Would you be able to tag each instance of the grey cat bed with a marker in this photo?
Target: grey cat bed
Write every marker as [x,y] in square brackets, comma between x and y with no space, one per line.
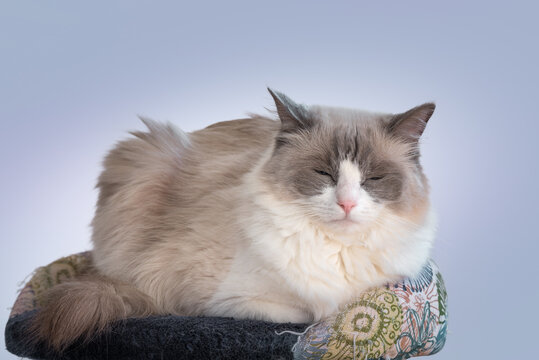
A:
[167,337]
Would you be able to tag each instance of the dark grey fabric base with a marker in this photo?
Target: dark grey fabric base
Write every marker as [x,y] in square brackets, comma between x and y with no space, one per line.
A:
[167,337]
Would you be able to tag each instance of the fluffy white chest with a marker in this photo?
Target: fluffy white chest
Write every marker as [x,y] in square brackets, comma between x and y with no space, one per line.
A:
[297,266]
[319,269]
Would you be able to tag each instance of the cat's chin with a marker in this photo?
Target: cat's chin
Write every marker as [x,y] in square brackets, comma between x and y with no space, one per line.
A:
[345,226]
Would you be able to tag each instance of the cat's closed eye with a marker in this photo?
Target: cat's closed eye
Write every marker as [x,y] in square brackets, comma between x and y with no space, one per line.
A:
[321,172]
[372,179]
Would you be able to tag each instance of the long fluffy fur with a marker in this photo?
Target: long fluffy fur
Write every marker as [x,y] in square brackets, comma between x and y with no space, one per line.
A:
[207,224]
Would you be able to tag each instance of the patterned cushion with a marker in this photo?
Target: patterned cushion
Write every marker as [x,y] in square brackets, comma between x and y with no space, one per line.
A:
[393,322]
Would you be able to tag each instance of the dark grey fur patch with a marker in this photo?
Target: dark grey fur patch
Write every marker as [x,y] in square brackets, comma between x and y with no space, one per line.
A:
[410,125]
[384,182]
[294,117]
[382,178]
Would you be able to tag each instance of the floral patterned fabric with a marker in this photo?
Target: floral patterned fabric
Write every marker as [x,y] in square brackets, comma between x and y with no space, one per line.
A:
[398,321]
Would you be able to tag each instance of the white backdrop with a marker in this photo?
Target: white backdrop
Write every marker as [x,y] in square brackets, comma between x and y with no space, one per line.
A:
[73,77]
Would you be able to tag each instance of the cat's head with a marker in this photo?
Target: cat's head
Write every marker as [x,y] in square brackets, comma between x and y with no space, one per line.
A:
[347,169]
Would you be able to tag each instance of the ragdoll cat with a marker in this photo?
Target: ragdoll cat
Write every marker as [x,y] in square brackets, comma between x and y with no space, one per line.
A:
[255,218]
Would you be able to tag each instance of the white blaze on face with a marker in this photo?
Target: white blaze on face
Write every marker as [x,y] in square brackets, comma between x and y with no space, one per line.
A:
[348,186]
[347,201]
[352,200]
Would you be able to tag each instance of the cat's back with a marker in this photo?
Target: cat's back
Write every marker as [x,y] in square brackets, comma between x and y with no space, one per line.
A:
[158,182]
[227,135]
[165,158]
[224,151]
[219,155]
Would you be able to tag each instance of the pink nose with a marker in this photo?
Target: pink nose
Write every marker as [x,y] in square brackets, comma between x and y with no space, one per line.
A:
[347,205]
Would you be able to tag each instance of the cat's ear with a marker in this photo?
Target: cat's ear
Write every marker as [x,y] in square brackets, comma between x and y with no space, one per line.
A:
[293,116]
[411,124]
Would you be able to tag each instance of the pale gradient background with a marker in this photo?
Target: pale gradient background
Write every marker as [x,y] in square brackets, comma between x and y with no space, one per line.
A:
[73,77]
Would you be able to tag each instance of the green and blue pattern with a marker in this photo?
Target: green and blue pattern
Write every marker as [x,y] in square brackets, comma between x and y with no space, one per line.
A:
[395,322]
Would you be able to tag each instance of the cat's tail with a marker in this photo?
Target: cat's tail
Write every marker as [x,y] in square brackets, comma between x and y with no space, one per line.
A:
[78,310]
